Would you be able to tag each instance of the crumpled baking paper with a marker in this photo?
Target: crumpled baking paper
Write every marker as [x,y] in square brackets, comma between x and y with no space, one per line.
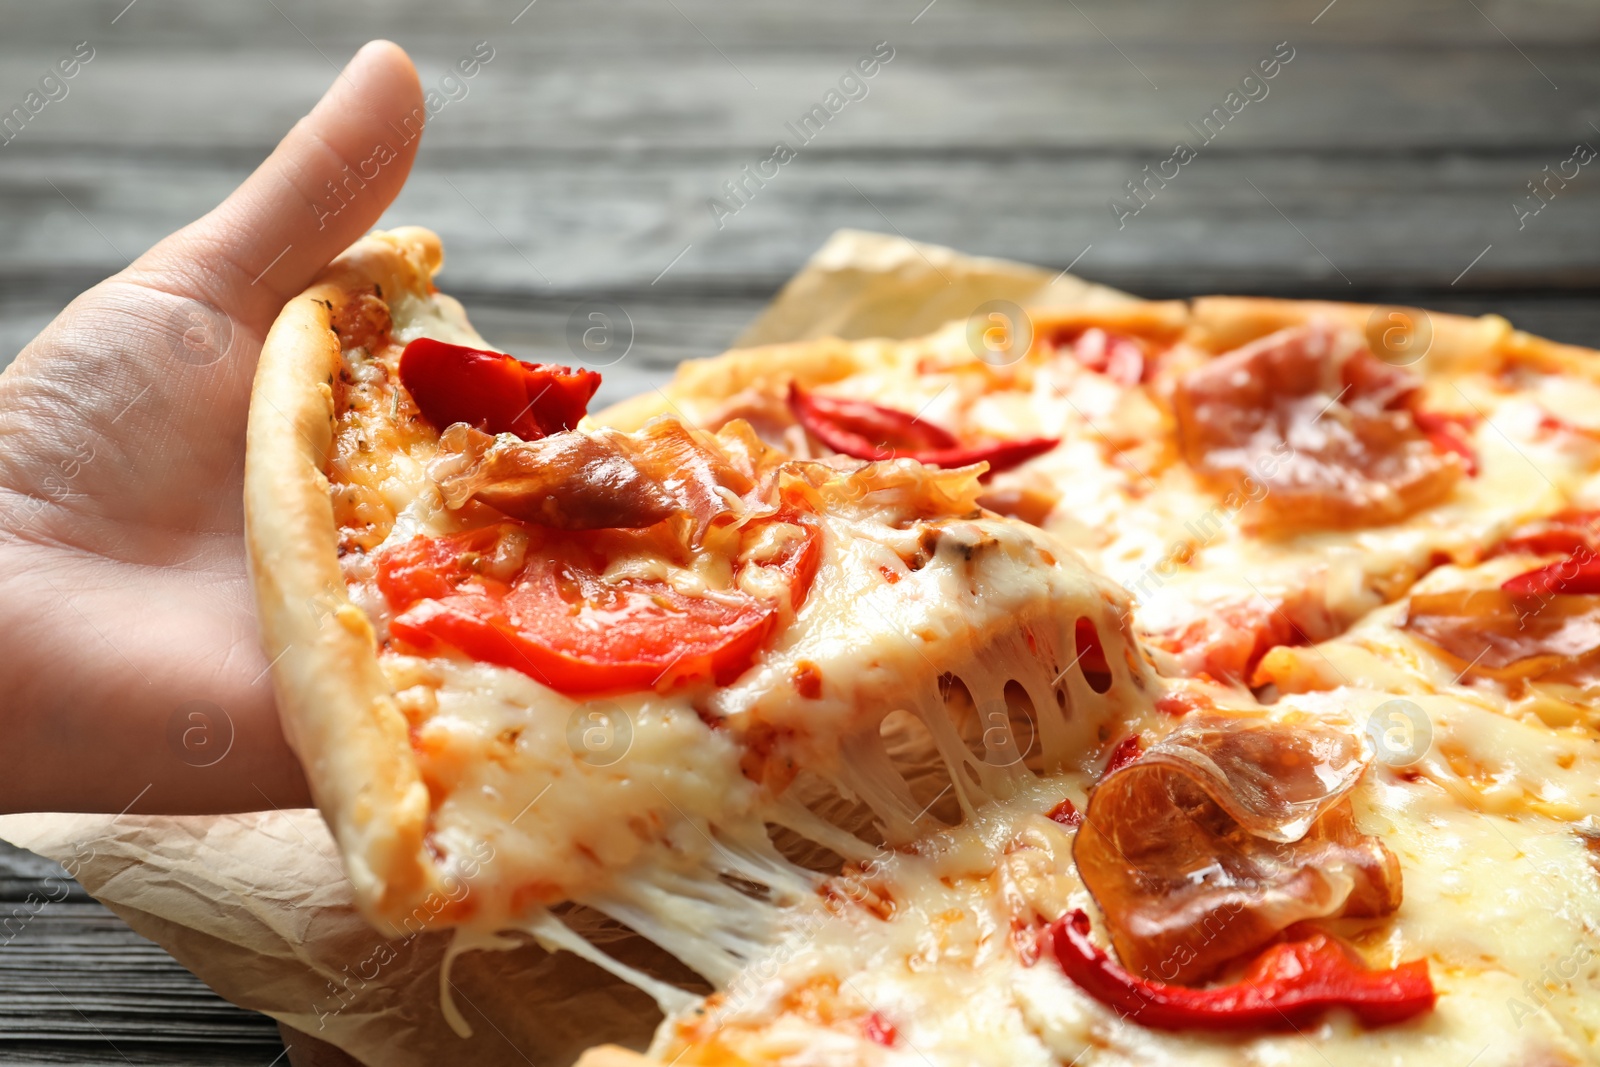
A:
[862,284]
[257,905]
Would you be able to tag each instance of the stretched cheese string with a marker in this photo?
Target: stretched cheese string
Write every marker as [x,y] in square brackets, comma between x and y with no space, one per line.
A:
[702,915]
[719,931]
[464,939]
[1064,711]
[986,624]
[553,934]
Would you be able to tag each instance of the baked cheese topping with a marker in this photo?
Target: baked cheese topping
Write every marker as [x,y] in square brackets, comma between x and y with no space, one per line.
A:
[925,944]
[653,807]
[948,676]
[1206,583]
[1382,652]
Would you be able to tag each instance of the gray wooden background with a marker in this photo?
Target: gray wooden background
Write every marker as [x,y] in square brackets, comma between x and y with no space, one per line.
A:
[1383,163]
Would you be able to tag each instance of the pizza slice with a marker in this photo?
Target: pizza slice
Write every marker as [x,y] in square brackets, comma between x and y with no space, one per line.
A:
[527,660]
[1517,630]
[1257,473]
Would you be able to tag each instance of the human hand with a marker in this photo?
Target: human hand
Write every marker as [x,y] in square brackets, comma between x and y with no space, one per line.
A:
[131,674]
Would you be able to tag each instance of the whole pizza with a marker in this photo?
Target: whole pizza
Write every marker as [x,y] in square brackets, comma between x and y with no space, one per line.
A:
[1173,682]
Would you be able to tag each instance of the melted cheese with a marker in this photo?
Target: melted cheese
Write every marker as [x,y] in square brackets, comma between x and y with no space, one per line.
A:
[626,803]
[648,808]
[640,806]
[992,603]
[1504,906]
[1378,653]
[1138,514]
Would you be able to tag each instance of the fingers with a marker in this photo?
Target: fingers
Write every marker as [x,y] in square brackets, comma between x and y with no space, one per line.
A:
[324,186]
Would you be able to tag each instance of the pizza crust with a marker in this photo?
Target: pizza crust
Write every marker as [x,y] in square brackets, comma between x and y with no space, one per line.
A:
[337,710]
[1215,324]
[1460,343]
[700,382]
[610,1056]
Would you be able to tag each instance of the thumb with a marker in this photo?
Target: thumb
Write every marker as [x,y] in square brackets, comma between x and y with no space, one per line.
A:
[324,186]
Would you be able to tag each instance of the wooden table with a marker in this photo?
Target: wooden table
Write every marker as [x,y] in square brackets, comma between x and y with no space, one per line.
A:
[1383,162]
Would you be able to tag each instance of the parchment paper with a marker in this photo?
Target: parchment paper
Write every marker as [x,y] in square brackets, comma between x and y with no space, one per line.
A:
[257,905]
[862,284]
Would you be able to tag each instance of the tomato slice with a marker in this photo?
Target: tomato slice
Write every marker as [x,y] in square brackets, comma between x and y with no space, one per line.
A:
[559,622]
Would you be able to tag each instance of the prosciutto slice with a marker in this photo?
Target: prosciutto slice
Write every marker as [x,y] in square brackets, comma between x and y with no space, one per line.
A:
[1224,833]
[1490,633]
[602,479]
[1311,431]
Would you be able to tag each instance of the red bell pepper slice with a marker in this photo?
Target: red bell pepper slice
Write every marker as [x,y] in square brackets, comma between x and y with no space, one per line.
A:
[1066,813]
[492,391]
[1289,984]
[865,430]
[1448,433]
[880,1031]
[999,455]
[1117,356]
[1128,750]
[1573,532]
[1578,573]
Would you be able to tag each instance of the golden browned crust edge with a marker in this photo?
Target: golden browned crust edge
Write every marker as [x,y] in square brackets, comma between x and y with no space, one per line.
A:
[336,707]
[1213,323]
[814,363]
[1459,343]
[720,377]
[611,1056]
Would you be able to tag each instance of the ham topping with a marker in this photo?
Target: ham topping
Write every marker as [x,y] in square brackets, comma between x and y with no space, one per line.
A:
[604,479]
[1118,356]
[1223,834]
[1314,431]
[1491,633]
[866,430]
[1541,624]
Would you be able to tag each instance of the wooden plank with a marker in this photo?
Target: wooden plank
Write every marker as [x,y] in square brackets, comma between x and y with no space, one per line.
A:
[616,77]
[1243,222]
[777,24]
[26,881]
[616,105]
[78,986]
